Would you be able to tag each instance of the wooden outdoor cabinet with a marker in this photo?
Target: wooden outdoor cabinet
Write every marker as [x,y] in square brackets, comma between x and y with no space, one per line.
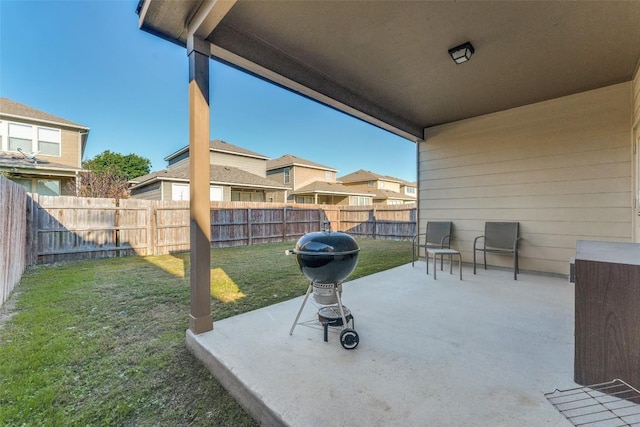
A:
[607,312]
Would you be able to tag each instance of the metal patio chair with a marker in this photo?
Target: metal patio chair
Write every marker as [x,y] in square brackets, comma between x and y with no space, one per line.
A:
[437,236]
[499,238]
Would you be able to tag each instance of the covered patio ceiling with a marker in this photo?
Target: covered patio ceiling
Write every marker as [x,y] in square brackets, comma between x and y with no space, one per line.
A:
[387,62]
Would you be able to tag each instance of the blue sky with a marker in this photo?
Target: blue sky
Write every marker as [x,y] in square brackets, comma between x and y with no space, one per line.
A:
[88,62]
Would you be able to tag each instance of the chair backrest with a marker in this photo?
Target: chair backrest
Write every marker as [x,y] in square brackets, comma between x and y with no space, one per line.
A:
[437,230]
[500,235]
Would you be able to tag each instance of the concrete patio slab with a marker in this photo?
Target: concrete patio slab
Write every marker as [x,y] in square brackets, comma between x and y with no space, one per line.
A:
[481,351]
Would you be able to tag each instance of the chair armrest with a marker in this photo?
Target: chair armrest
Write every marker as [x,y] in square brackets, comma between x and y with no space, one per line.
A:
[446,239]
[476,240]
[515,244]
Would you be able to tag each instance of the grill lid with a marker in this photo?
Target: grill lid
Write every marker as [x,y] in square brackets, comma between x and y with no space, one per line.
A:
[326,256]
[326,242]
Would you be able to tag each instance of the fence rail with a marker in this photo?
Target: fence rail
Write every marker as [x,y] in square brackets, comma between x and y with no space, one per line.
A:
[68,228]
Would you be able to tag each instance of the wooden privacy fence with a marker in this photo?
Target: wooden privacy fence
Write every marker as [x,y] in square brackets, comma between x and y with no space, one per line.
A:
[12,235]
[68,228]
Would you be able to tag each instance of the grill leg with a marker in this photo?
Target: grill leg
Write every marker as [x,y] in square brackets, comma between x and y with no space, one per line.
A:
[344,319]
[295,322]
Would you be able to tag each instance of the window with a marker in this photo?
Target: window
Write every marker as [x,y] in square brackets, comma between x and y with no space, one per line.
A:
[49,187]
[246,196]
[371,183]
[287,171]
[20,136]
[179,191]
[360,201]
[394,202]
[215,193]
[305,199]
[381,184]
[410,190]
[49,141]
[328,175]
[26,183]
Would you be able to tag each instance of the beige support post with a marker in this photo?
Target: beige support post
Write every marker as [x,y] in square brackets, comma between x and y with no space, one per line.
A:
[200,319]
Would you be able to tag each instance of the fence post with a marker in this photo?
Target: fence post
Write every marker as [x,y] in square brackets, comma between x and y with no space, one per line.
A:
[375,223]
[116,227]
[30,233]
[151,226]
[249,227]
[35,215]
[284,224]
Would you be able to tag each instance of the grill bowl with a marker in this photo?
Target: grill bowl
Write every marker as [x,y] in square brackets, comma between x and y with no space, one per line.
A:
[326,256]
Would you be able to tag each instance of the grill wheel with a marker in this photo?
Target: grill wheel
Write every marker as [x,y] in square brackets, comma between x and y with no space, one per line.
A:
[349,339]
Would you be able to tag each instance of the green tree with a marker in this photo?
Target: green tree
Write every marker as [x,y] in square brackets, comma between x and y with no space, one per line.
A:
[127,166]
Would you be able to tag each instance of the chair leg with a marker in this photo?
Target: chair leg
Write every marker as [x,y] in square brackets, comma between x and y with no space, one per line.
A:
[515,266]
[474,260]
[485,259]
[413,255]
[426,257]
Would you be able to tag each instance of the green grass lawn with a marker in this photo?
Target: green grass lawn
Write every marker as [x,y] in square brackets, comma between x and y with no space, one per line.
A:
[101,342]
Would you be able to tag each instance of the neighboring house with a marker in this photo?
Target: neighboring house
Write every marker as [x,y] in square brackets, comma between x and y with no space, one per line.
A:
[38,150]
[386,190]
[311,182]
[236,174]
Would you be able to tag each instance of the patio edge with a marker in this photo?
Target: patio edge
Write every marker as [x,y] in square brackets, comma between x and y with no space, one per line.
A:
[251,402]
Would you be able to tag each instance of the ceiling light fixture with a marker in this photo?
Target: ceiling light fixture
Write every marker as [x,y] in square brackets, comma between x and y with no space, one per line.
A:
[461,53]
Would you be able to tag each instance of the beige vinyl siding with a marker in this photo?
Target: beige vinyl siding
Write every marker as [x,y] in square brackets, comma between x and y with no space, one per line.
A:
[305,176]
[636,98]
[277,175]
[388,185]
[275,196]
[69,149]
[182,158]
[636,143]
[249,164]
[148,192]
[562,168]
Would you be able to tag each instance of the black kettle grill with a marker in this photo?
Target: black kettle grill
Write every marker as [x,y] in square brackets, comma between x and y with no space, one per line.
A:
[327,258]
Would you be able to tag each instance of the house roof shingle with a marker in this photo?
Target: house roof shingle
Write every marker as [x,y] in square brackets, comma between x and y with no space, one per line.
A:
[323,187]
[364,176]
[225,175]
[381,194]
[221,146]
[13,160]
[15,109]
[291,160]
